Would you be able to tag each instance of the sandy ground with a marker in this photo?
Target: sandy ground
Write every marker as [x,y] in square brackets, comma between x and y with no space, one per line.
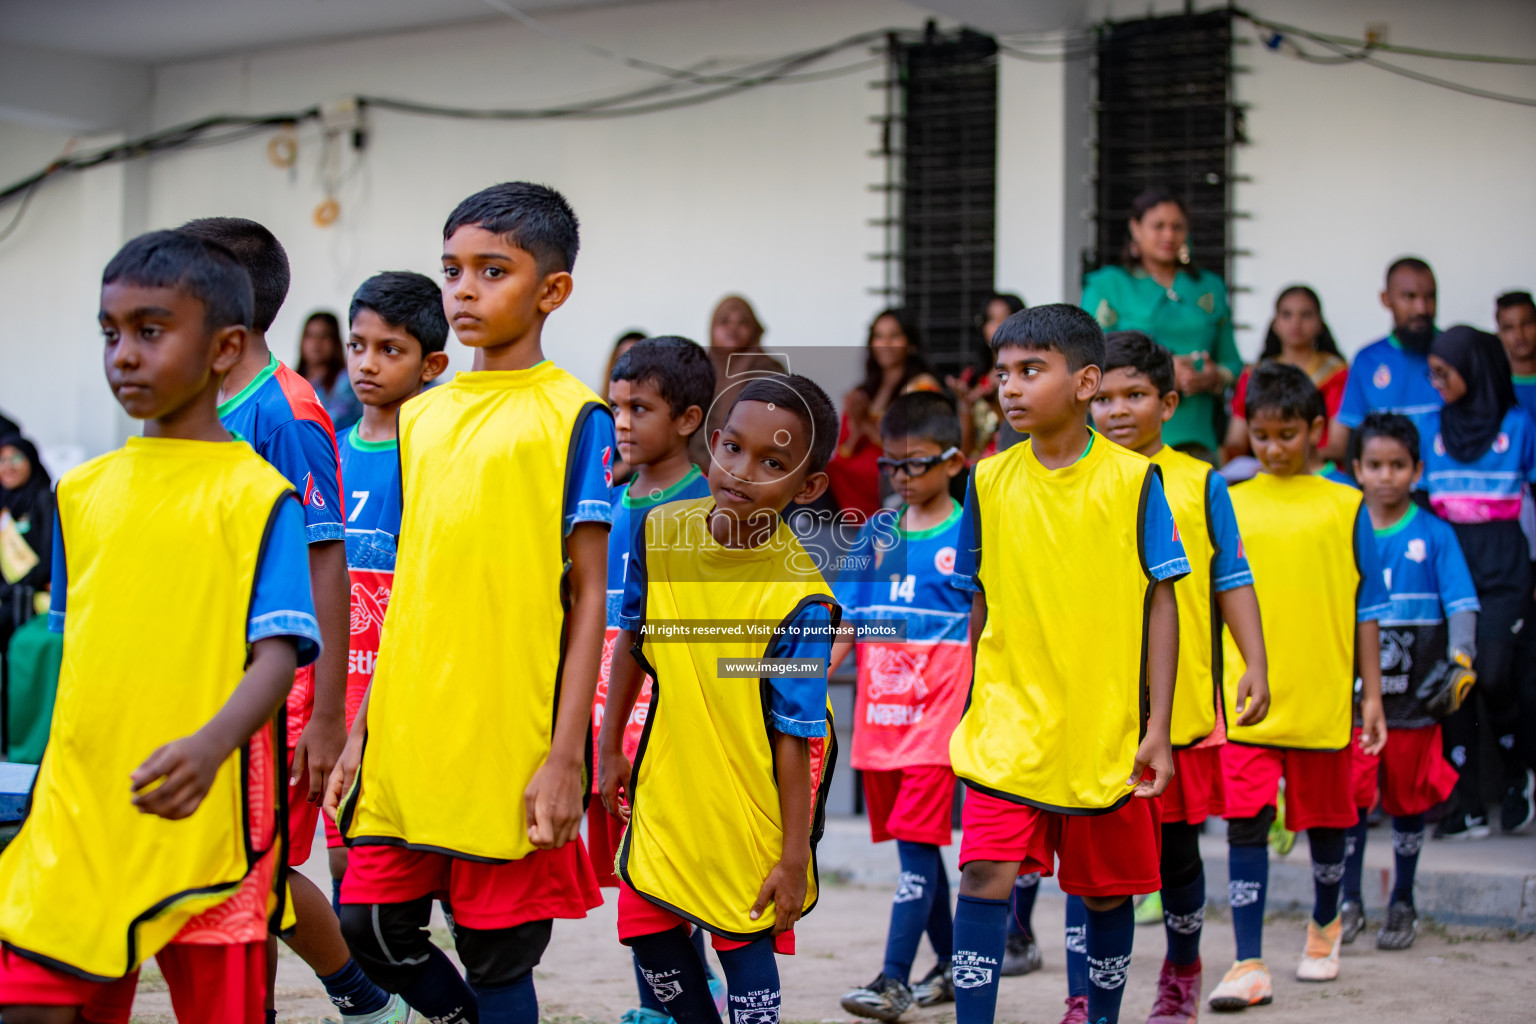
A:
[1450,975]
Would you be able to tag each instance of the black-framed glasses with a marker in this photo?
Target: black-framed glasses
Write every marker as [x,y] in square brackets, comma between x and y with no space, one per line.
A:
[914,466]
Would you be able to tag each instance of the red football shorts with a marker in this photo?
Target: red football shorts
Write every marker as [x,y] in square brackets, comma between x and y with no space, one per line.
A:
[1317,785]
[303,818]
[912,804]
[542,885]
[604,833]
[1412,769]
[1196,792]
[207,983]
[1114,854]
[639,916]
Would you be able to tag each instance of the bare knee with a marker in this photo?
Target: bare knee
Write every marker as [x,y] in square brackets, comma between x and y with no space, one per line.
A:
[338,861]
[988,879]
[1099,904]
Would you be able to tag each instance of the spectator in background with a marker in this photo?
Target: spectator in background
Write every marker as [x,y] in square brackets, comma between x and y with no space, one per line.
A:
[323,362]
[1157,290]
[1392,375]
[893,365]
[735,348]
[1515,313]
[623,343]
[26,547]
[983,430]
[1298,335]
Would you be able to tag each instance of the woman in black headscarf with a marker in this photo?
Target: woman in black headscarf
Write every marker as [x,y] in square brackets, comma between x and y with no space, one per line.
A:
[1479,456]
[26,494]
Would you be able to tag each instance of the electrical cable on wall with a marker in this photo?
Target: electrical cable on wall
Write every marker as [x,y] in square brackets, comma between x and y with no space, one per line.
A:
[683,88]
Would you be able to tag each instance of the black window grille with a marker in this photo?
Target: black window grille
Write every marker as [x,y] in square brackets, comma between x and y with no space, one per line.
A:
[940,147]
[1166,116]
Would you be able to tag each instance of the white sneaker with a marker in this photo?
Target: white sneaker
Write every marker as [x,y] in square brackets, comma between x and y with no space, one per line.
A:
[1320,961]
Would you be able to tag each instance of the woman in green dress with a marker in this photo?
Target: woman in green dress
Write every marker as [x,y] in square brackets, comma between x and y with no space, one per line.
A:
[1155,289]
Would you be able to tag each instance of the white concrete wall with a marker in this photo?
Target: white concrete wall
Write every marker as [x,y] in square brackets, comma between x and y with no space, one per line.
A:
[766,192]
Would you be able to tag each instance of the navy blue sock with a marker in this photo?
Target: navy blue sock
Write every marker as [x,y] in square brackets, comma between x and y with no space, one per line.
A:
[751,982]
[1407,840]
[1021,904]
[1354,857]
[698,943]
[1327,845]
[941,919]
[671,966]
[437,991]
[516,1003]
[981,932]
[352,992]
[1110,934]
[910,907]
[1077,946]
[1183,920]
[336,896]
[648,1000]
[1248,869]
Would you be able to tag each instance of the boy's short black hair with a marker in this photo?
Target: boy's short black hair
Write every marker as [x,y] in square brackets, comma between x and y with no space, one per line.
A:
[679,369]
[1513,300]
[1057,327]
[535,218]
[1279,388]
[259,252]
[922,414]
[1133,350]
[1392,425]
[808,402]
[405,299]
[204,270]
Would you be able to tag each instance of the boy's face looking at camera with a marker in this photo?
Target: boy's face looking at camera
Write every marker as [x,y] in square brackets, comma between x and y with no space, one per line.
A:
[495,293]
[1039,393]
[643,423]
[160,354]
[1129,411]
[1387,472]
[921,473]
[1283,443]
[1517,330]
[385,363]
[760,462]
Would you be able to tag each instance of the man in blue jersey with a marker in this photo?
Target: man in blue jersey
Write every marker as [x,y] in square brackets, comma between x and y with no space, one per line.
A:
[1392,375]
[394,350]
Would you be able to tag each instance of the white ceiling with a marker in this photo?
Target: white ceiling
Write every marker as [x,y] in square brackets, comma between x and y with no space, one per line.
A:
[155,31]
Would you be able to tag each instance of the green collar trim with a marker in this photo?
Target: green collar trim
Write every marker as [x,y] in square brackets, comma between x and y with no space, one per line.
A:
[670,494]
[225,408]
[1523,378]
[950,520]
[356,443]
[1091,435]
[1401,524]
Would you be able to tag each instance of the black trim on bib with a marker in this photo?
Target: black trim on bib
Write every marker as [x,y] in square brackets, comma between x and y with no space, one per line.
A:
[588,760]
[1014,798]
[279,727]
[1218,661]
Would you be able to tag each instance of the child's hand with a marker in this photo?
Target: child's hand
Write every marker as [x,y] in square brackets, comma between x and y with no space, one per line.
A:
[342,775]
[1252,698]
[785,888]
[1156,754]
[187,767]
[613,775]
[316,753]
[1373,726]
[553,803]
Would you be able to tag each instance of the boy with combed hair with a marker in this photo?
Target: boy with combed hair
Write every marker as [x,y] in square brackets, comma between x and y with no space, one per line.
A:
[1072,551]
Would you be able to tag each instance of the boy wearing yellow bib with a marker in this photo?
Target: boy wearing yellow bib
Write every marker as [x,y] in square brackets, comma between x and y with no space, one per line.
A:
[732,619]
[1072,551]
[1136,398]
[1320,585]
[471,783]
[186,537]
